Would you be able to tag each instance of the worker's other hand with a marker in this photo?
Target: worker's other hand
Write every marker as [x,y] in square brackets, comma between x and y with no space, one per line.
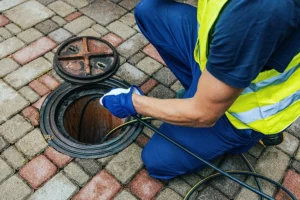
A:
[119,101]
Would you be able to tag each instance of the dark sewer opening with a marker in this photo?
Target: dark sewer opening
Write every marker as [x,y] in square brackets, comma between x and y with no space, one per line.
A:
[88,122]
[60,119]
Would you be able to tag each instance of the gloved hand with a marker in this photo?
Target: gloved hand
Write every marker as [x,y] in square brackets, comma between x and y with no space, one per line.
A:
[119,101]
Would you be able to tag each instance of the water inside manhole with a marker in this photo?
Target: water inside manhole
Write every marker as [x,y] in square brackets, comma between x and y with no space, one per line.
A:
[95,124]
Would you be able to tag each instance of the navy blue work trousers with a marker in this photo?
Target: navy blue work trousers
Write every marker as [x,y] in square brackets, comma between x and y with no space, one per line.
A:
[172,28]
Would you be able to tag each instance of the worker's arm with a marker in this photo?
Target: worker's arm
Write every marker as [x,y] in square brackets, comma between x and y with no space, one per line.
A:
[211,101]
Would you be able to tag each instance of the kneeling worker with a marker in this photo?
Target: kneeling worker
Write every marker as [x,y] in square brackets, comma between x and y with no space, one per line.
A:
[239,62]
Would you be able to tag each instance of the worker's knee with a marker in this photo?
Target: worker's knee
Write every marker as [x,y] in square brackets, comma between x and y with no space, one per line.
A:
[143,9]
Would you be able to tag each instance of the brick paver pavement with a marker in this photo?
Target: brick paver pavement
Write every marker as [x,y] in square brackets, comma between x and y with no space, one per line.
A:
[30,32]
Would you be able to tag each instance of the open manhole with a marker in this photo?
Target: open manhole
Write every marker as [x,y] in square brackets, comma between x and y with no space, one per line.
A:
[72,119]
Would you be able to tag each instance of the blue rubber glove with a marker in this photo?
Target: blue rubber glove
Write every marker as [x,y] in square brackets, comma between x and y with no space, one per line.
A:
[119,101]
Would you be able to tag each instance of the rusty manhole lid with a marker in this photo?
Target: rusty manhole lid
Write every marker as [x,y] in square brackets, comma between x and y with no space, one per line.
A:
[86,60]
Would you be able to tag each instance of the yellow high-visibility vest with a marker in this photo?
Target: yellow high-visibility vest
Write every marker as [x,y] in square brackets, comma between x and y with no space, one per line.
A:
[272,101]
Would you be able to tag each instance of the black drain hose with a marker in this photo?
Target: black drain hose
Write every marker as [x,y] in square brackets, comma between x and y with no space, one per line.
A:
[221,172]
[228,174]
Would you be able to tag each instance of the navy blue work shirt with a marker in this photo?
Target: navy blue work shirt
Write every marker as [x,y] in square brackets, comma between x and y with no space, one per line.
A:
[251,36]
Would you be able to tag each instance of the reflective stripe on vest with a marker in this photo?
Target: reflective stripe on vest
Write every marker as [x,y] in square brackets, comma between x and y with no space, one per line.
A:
[272,101]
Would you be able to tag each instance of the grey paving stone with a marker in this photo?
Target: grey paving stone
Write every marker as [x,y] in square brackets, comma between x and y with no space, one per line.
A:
[79,24]
[89,165]
[129,4]
[128,19]
[161,92]
[105,160]
[14,157]
[116,1]
[74,172]
[124,195]
[90,32]
[121,29]
[136,58]
[49,56]
[122,60]
[191,179]
[294,129]
[148,132]
[132,45]
[272,163]
[28,72]
[296,165]
[30,35]
[165,76]
[137,28]
[61,8]
[14,188]
[149,65]
[14,29]
[179,186]
[3,144]
[100,29]
[103,12]
[210,193]
[58,188]
[60,35]
[249,195]
[15,128]
[131,74]
[208,170]
[289,145]
[7,4]
[57,77]
[32,144]
[46,2]
[10,102]
[7,65]
[1,39]
[78,3]
[225,185]
[5,170]
[29,94]
[297,156]
[10,46]
[256,150]
[168,194]
[60,21]
[47,26]
[177,86]
[126,163]
[28,14]
[4,33]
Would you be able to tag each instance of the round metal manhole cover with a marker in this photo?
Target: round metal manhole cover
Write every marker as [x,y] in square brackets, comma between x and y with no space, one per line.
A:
[86,60]
[74,122]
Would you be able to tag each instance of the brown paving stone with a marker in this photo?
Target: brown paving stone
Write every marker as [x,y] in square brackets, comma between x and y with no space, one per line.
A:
[73,16]
[149,85]
[32,114]
[142,140]
[292,183]
[145,187]
[3,20]
[58,158]
[152,52]
[102,187]
[113,39]
[49,81]
[38,171]
[34,50]
[40,102]
[39,87]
